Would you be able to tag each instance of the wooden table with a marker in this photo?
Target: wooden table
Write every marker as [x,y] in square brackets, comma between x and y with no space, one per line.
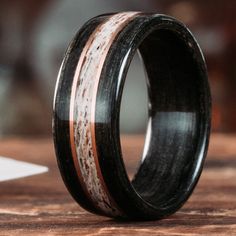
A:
[41,205]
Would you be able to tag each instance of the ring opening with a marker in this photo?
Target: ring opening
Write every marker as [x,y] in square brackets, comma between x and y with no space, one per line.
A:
[172,139]
[133,115]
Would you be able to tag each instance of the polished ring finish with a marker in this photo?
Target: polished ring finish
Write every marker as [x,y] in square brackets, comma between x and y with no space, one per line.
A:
[87,106]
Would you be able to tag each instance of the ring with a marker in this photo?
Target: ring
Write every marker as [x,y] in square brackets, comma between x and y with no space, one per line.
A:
[86,115]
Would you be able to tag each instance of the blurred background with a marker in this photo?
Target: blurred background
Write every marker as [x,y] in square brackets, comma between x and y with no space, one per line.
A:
[34,36]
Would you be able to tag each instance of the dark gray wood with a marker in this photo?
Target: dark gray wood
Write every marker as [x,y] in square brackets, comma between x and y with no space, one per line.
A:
[179,118]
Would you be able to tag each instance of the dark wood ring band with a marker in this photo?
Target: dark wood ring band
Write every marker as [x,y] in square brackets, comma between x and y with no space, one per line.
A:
[87,106]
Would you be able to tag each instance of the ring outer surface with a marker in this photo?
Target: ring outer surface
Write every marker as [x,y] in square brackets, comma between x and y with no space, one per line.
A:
[107,122]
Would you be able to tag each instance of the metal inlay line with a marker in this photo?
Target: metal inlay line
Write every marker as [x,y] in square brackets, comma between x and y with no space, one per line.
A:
[82,110]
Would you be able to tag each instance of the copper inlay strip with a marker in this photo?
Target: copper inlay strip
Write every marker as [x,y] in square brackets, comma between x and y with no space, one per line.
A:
[82,111]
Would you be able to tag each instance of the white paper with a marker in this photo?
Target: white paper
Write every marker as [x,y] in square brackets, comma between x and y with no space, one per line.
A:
[13,169]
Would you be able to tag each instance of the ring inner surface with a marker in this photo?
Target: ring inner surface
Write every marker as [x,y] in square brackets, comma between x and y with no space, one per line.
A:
[173,132]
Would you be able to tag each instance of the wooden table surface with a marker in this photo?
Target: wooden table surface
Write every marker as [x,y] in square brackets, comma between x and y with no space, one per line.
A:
[41,204]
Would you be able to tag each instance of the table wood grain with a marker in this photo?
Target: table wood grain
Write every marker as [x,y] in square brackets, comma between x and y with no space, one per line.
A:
[40,204]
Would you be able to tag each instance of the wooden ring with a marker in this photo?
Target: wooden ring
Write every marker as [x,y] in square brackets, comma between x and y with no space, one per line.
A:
[87,106]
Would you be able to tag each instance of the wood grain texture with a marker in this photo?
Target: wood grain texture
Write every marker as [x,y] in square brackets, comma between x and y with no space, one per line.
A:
[41,205]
